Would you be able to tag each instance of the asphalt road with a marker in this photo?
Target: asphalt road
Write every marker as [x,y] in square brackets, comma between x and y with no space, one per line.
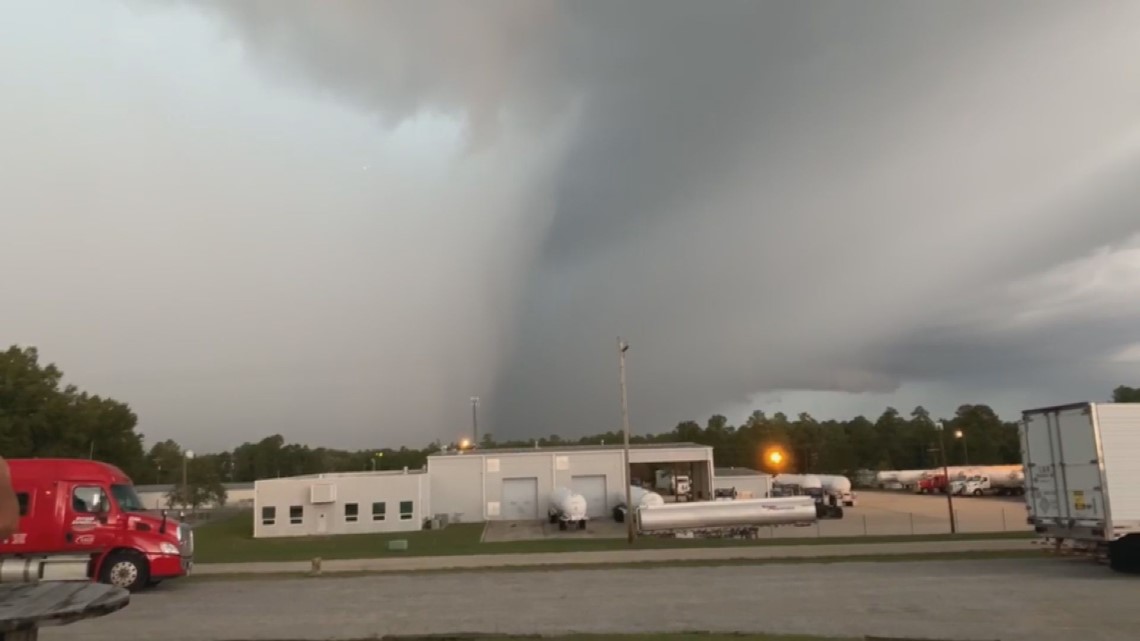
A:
[1044,599]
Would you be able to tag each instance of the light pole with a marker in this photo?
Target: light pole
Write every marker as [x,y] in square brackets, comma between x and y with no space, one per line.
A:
[475,420]
[376,455]
[186,456]
[961,436]
[623,347]
[946,474]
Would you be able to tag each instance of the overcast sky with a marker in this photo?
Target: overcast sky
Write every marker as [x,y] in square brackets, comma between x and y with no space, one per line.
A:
[339,220]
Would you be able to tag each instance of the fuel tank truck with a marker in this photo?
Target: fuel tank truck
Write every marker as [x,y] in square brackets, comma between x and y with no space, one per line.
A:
[567,509]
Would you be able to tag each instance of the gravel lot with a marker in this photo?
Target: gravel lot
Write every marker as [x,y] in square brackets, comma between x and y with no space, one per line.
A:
[1010,600]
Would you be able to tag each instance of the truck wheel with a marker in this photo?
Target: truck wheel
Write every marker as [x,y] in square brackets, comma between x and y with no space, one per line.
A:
[562,525]
[977,492]
[125,569]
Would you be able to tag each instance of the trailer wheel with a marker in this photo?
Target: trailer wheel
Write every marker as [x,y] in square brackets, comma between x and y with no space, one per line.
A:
[126,569]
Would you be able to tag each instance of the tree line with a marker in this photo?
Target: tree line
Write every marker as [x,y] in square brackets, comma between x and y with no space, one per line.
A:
[39,417]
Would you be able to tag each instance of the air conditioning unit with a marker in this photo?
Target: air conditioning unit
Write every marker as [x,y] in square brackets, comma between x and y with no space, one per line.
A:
[322,493]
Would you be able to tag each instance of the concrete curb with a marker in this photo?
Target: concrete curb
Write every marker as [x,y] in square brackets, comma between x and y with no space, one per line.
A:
[773,552]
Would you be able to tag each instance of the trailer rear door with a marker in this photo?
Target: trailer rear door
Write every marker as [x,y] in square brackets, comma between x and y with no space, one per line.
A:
[1063,477]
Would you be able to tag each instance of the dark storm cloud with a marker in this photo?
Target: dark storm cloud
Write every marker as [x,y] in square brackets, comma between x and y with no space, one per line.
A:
[760,196]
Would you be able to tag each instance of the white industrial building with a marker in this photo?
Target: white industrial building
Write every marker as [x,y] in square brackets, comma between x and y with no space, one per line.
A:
[350,503]
[515,484]
[748,483]
[469,486]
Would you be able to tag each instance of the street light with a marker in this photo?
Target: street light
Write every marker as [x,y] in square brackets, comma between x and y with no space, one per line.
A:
[961,436]
[376,455]
[940,427]
[623,347]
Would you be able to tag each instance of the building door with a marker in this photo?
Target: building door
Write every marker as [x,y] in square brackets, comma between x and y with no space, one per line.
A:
[593,489]
[322,524]
[520,499]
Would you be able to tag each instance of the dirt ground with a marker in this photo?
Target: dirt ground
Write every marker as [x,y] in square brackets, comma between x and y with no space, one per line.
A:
[876,513]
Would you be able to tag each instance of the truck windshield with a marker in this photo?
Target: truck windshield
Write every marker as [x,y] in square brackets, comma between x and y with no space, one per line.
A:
[127,499]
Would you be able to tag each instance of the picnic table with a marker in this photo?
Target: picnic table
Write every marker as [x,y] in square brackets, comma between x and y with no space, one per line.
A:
[26,607]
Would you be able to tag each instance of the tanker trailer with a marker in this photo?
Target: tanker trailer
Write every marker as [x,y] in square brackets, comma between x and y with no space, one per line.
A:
[719,519]
[641,498]
[838,488]
[567,508]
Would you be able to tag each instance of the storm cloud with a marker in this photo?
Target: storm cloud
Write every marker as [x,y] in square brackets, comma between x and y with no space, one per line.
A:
[761,198]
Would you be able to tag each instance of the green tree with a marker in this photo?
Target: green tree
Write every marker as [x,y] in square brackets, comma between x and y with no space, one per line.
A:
[1125,394]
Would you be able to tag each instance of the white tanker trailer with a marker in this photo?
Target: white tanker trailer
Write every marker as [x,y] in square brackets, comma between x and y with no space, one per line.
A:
[838,487]
[567,508]
[742,518]
[640,497]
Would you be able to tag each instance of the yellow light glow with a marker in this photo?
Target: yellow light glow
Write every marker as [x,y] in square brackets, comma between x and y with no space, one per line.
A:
[464,444]
[776,457]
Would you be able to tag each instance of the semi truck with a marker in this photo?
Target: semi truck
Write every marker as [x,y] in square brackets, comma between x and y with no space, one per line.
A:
[85,515]
[1082,471]
[1012,484]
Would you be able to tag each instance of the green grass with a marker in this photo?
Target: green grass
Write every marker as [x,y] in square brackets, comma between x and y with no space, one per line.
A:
[231,541]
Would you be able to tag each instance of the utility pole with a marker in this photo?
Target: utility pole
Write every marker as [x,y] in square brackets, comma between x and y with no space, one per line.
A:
[186,456]
[629,511]
[946,475]
[474,421]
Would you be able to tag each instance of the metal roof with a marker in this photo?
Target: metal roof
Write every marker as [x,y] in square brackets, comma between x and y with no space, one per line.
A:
[737,471]
[575,448]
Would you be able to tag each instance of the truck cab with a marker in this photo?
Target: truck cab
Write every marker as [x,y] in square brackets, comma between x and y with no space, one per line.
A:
[76,508]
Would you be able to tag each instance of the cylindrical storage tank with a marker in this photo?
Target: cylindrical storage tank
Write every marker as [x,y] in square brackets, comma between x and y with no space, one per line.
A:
[835,483]
[568,504]
[644,498]
[742,513]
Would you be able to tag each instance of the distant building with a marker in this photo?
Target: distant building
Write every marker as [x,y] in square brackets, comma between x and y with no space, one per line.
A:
[155,497]
[748,483]
[469,486]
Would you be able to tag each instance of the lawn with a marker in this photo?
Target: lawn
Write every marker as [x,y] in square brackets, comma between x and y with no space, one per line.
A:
[231,541]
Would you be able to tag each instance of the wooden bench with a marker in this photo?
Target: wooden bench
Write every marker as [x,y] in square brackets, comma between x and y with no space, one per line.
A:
[26,607]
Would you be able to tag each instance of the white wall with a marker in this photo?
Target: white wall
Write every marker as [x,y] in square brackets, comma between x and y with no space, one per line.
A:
[361,489]
[470,484]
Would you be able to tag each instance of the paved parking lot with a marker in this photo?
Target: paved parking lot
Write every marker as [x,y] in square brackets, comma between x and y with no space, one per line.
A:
[1009,600]
[878,513]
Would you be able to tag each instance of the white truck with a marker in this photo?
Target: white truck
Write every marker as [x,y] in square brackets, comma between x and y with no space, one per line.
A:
[1082,477]
[678,485]
[1011,484]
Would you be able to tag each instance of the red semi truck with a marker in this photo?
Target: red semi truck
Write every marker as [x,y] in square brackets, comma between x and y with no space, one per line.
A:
[74,508]
[932,485]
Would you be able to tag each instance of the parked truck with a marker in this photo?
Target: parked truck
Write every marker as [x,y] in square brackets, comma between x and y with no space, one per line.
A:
[1082,471]
[1012,484]
[88,512]
[680,486]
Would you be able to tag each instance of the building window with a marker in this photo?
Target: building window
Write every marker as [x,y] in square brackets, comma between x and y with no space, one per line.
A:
[268,515]
[405,510]
[351,512]
[22,498]
[378,511]
[296,514]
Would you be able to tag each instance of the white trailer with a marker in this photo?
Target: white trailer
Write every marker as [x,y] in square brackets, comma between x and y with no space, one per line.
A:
[567,509]
[735,519]
[839,488]
[1082,477]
